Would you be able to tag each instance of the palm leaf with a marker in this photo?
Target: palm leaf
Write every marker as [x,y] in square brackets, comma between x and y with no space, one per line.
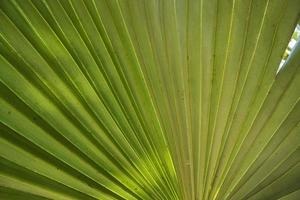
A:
[156,99]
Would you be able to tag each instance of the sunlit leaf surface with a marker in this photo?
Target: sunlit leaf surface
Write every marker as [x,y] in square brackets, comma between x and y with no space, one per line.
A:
[149,99]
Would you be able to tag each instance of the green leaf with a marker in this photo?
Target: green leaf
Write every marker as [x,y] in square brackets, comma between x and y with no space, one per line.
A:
[149,99]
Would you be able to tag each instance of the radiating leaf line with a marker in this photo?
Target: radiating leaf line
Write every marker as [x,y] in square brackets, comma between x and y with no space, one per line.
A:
[172,99]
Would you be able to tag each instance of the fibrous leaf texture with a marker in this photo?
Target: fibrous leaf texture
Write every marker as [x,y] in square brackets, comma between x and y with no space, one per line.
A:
[149,99]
